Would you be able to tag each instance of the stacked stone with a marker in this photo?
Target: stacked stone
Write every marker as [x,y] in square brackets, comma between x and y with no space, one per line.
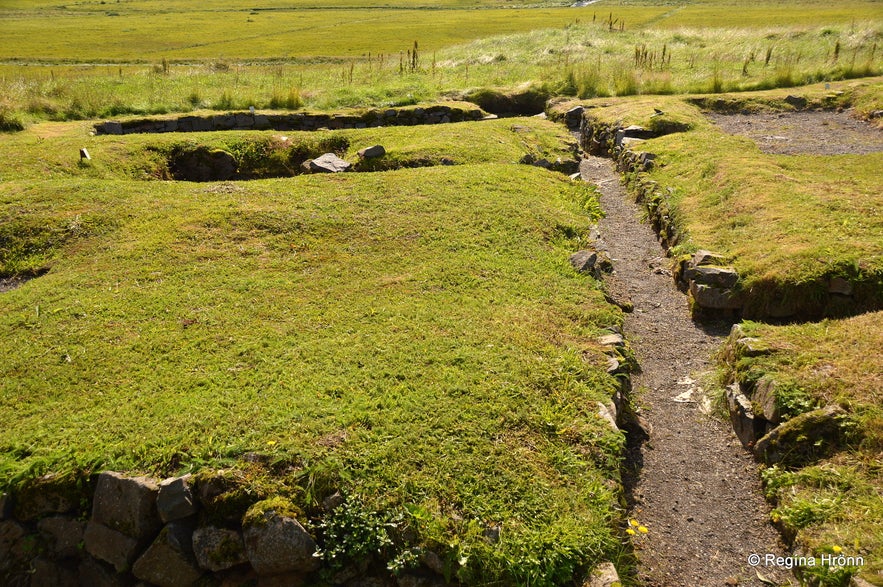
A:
[139,529]
[294,121]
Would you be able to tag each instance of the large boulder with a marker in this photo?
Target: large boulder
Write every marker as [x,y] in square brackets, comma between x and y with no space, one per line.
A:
[604,575]
[715,298]
[111,546]
[127,505]
[175,499]
[203,164]
[169,561]
[218,549]
[804,438]
[327,163]
[62,535]
[745,425]
[49,494]
[275,541]
[372,152]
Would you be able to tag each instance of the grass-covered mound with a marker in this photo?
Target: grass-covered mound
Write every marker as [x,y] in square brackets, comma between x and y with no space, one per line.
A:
[788,224]
[830,506]
[415,339]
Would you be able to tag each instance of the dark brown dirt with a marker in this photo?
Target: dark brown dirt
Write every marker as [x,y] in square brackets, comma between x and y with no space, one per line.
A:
[812,132]
[691,483]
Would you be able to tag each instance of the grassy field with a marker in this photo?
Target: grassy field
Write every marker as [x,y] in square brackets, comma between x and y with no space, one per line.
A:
[136,62]
[415,339]
[831,506]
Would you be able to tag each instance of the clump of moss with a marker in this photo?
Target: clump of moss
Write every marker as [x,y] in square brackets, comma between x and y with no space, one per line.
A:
[260,512]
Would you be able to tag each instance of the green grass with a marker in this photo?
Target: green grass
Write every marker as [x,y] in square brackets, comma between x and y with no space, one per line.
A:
[834,502]
[144,64]
[789,223]
[413,338]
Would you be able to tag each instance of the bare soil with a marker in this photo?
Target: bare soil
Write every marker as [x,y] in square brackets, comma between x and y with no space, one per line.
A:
[813,132]
[689,480]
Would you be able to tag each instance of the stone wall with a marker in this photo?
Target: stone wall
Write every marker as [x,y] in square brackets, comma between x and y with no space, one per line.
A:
[756,418]
[211,529]
[293,121]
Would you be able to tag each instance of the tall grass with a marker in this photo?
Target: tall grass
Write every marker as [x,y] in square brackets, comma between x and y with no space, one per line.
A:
[580,59]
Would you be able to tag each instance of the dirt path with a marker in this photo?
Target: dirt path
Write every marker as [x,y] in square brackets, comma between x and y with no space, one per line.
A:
[693,486]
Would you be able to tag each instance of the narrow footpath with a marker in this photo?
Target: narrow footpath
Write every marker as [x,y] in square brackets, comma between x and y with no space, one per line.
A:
[691,484]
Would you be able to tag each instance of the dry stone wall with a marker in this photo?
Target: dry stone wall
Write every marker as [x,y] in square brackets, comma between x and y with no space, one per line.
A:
[113,530]
[294,121]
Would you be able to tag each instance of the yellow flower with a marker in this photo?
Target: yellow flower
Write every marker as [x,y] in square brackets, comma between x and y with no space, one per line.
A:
[643,529]
[837,549]
[633,522]
[271,442]
[630,532]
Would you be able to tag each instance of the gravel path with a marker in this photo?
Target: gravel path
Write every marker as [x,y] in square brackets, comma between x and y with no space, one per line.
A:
[691,484]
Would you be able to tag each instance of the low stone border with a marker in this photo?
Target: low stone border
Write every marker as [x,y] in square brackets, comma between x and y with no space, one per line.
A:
[112,529]
[294,121]
[754,413]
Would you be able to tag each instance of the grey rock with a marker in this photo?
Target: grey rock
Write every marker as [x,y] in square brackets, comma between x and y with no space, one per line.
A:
[629,142]
[796,101]
[96,574]
[372,152]
[741,415]
[243,120]
[723,277]
[175,499]
[604,575]
[573,117]
[608,414]
[278,545]
[631,132]
[62,535]
[715,298]
[703,257]
[751,347]
[109,128]
[327,163]
[333,501]
[584,261]
[127,505]
[614,339]
[350,572]
[840,286]
[43,496]
[433,562]
[218,549]
[782,307]
[169,561]
[11,533]
[48,572]
[204,164]
[764,399]
[111,546]
[802,438]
